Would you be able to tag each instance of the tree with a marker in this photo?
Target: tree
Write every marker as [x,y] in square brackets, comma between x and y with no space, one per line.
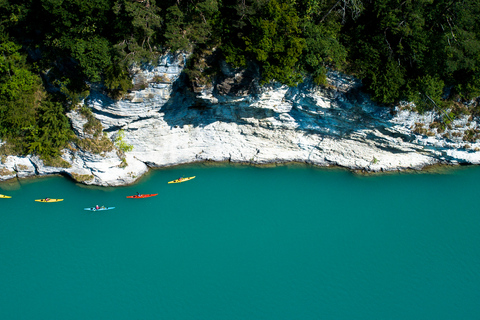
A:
[117,80]
[20,91]
[273,39]
[323,49]
[140,22]
[190,24]
[93,56]
[52,131]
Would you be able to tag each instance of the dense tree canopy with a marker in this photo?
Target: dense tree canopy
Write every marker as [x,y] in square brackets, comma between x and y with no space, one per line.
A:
[20,92]
[401,49]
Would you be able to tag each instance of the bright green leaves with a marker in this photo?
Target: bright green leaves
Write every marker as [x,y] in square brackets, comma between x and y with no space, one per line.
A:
[288,38]
[120,143]
[9,56]
[20,90]
[26,122]
[392,45]
[19,82]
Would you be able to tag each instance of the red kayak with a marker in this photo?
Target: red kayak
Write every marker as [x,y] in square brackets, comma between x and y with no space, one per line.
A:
[143,196]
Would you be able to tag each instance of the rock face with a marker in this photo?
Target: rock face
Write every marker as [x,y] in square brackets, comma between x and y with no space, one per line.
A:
[239,121]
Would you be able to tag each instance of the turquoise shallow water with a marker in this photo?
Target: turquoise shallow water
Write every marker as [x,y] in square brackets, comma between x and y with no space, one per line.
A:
[288,242]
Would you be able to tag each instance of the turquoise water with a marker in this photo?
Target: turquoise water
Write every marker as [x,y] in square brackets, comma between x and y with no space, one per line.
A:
[288,242]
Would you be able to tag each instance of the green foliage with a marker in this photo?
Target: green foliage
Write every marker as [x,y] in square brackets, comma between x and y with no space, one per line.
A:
[52,131]
[426,92]
[122,147]
[273,39]
[190,24]
[469,89]
[137,23]
[428,40]
[93,126]
[55,161]
[144,19]
[93,56]
[120,144]
[400,50]
[389,44]
[82,177]
[387,85]
[176,37]
[27,122]
[98,144]
[20,93]
[323,49]
[117,80]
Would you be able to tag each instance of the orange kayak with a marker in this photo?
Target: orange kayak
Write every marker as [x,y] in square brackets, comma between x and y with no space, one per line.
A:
[143,196]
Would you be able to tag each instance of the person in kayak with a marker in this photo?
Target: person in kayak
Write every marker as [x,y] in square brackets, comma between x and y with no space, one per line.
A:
[47,199]
[97,207]
[138,195]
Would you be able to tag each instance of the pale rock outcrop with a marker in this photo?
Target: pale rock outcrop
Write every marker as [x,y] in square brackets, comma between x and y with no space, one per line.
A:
[239,121]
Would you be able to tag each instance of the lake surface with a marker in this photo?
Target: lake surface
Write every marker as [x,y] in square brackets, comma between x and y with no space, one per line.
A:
[288,242]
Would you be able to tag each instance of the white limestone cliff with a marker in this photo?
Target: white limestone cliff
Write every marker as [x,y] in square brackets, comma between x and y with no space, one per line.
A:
[335,125]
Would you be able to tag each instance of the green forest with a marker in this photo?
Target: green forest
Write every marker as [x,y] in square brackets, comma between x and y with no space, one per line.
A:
[423,51]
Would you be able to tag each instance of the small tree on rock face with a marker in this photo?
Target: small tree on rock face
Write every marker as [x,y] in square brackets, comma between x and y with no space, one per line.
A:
[120,144]
[122,147]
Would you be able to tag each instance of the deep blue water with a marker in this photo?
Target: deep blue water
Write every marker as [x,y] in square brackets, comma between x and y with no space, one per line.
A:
[288,242]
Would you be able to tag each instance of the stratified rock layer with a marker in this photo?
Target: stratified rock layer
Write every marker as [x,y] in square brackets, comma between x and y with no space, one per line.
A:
[236,120]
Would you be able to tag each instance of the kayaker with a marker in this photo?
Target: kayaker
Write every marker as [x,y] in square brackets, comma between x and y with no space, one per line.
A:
[138,194]
[97,207]
[47,199]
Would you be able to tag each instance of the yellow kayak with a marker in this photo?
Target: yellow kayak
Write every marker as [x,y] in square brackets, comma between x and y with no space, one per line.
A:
[49,200]
[4,197]
[181,180]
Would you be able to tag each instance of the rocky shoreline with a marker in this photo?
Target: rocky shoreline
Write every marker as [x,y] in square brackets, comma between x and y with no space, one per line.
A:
[237,120]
